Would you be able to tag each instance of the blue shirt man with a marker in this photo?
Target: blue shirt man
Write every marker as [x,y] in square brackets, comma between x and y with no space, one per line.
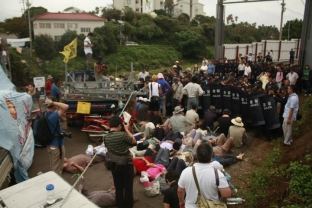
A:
[211,68]
[290,114]
[56,92]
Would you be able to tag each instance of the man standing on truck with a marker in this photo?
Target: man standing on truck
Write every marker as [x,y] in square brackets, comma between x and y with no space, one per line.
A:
[88,50]
[56,149]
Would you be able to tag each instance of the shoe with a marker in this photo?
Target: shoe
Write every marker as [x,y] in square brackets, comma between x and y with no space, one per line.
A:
[286,144]
[234,192]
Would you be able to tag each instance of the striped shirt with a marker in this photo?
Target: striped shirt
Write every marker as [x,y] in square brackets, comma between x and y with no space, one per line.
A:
[118,142]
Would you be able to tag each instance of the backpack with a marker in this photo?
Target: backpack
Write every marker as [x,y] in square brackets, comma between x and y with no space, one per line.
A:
[42,133]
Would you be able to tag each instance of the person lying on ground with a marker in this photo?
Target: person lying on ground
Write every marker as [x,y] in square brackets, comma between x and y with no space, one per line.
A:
[100,198]
[227,160]
[221,145]
[78,163]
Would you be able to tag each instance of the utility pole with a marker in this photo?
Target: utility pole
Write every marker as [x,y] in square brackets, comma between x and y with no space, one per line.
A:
[29,26]
[282,15]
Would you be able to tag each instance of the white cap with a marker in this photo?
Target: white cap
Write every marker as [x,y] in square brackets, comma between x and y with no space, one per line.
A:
[140,98]
[145,100]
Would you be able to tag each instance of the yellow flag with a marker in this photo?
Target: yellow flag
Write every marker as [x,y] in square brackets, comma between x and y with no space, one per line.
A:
[70,51]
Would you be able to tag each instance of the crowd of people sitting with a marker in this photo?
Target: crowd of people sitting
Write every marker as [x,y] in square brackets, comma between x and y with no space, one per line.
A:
[177,132]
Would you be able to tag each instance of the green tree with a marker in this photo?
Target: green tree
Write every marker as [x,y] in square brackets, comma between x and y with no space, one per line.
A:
[191,44]
[184,18]
[294,27]
[147,28]
[45,47]
[107,43]
[169,27]
[33,12]
[20,73]
[15,25]
[160,12]
[73,10]
[111,13]
[169,6]
[205,19]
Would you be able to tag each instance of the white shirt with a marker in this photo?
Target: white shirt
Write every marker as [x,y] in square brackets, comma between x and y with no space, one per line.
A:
[87,49]
[192,90]
[204,68]
[241,67]
[247,70]
[153,91]
[207,183]
[143,75]
[292,77]
[4,53]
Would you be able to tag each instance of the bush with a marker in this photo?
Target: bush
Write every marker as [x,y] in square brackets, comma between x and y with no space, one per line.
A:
[45,47]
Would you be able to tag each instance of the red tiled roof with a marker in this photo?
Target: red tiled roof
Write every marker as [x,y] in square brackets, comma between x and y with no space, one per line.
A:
[69,16]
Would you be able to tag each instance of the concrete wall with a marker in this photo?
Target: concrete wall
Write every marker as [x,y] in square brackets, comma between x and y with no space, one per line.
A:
[54,32]
[280,49]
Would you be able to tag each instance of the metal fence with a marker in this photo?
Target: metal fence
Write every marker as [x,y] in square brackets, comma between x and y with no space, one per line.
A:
[280,49]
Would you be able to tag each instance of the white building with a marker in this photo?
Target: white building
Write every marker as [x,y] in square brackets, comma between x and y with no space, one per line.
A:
[56,24]
[190,7]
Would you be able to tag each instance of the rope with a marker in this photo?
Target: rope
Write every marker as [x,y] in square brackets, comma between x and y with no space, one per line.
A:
[80,176]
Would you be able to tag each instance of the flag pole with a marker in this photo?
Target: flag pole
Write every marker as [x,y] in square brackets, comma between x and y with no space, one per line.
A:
[66,72]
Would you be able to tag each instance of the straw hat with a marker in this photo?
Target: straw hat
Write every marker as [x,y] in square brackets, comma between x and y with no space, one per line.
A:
[50,77]
[177,110]
[237,121]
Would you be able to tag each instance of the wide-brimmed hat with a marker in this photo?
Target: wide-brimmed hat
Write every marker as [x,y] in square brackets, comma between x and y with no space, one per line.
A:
[160,76]
[178,109]
[50,77]
[177,62]
[237,121]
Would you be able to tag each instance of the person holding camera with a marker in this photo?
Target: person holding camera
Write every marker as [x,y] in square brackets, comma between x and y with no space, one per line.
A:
[99,69]
[56,149]
[117,142]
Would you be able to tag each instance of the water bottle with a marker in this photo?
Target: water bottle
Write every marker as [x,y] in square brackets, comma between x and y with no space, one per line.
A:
[235,200]
[50,193]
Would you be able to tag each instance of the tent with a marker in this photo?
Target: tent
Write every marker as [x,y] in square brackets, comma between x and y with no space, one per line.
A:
[15,129]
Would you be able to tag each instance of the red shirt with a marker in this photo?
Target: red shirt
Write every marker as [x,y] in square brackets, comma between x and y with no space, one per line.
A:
[48,87]
[140,165]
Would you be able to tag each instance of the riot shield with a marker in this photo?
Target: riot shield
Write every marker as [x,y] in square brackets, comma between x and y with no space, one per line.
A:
[244,106]
[256,113]
[226,97]
[235,102]
[206,97]
[216,99]
[269,112]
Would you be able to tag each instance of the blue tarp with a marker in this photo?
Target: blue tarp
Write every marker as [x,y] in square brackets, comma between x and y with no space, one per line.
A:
[16,134]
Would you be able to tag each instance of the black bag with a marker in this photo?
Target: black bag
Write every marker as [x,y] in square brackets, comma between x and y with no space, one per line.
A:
[115,162]
[154,99]
[42,133]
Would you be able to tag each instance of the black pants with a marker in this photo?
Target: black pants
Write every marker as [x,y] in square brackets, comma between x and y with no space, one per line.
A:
[177,165]
[227,160]
[123,182]
[159,133]
[291,59]
[173,136]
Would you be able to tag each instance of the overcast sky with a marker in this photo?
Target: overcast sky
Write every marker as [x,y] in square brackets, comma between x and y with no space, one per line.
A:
[267,13]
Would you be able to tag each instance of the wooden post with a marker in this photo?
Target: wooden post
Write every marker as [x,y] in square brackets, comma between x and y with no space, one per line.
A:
[256,52]
[264,51]
[237,52]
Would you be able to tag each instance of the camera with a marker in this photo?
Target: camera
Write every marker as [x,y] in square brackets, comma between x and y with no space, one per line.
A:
[66,134]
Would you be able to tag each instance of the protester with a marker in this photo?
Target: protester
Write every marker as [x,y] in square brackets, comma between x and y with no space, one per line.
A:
[155,91]
[237,131]
[98,69]
[210,118]
[143,110]
[178,121]
[88,50]
[170,196]
[143,74]
[192,116]
[165,89]
[36,107]
[117,142]
[187,191]
[193,91]
[56,91]
[177,92]
[224,123]
[290,114]
[56,149]
[78,163]
[48,85]
[292,76]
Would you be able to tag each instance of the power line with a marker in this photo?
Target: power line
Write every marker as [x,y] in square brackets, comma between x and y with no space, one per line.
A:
[295,12]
